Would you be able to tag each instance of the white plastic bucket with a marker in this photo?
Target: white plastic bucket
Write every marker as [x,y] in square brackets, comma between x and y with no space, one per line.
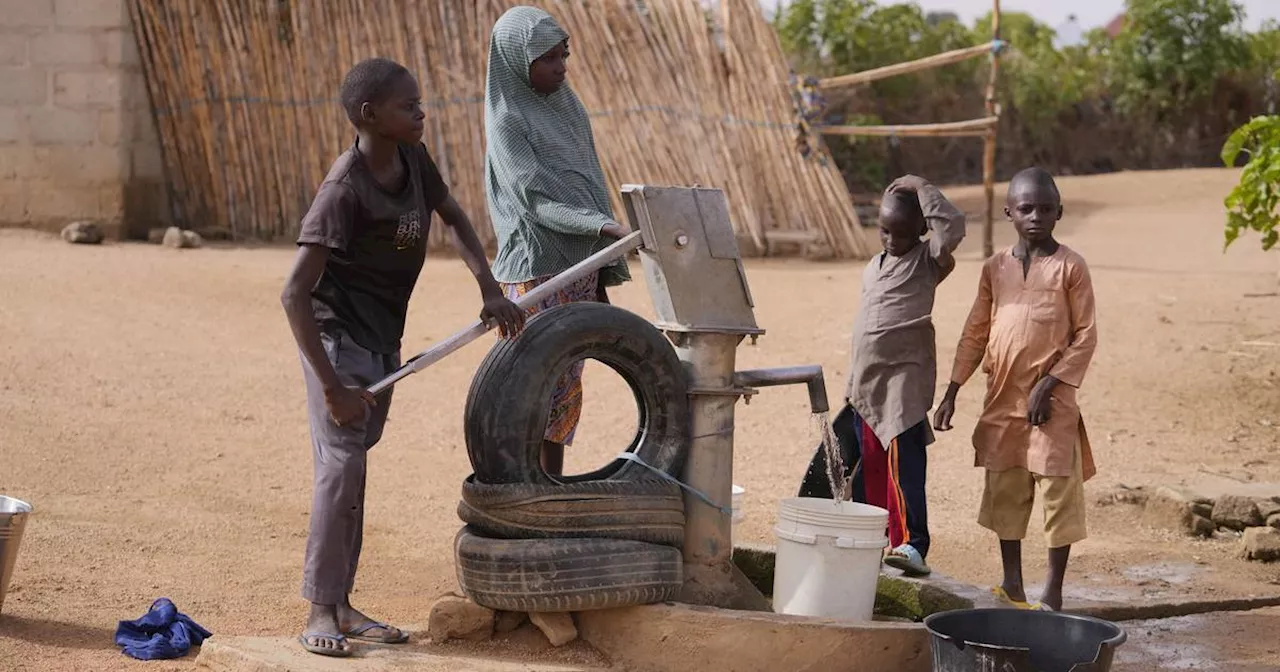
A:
[738,515]
[828,558]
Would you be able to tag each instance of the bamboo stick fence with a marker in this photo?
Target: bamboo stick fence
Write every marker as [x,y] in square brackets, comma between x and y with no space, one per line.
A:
[245,96]
[984,128]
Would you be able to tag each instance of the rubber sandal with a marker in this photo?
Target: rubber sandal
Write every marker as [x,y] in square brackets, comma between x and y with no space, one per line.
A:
[324,650]
[907,559]
[358,633]
[1001,595]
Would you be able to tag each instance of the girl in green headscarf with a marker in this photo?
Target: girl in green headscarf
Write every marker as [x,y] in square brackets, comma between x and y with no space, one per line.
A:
[545,188]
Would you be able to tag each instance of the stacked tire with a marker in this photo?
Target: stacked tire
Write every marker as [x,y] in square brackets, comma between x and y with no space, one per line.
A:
[610,538]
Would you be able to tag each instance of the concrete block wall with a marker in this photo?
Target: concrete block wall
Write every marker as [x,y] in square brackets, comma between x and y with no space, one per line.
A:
[77,134]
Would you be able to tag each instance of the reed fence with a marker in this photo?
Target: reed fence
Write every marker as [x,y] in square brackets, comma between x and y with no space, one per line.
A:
[245,96]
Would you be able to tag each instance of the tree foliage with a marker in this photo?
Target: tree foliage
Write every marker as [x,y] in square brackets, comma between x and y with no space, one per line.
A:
[1164,93]
[1254,204]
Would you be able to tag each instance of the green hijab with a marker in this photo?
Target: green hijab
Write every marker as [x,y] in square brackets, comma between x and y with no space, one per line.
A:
[544,186]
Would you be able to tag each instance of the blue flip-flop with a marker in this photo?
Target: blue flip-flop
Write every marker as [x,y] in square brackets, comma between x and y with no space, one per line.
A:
[324,650]
[907,559]
[359,633]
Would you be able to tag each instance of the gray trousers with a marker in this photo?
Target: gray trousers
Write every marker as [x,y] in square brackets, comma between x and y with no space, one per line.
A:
[340,455]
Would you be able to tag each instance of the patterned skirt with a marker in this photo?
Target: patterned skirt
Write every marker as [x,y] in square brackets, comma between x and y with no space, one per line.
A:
[566,400]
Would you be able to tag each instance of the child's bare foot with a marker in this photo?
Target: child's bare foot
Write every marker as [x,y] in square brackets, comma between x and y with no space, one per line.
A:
[322,635]
[1052,599]
[359,626]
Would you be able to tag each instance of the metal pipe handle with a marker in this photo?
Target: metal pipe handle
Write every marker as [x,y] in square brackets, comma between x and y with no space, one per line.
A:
[811,376]
[477,329]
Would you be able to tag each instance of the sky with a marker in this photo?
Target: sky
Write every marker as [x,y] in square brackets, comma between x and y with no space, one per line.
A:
[1089,13]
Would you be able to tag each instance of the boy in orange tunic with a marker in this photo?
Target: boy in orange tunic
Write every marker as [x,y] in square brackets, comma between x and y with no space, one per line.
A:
[1034,321]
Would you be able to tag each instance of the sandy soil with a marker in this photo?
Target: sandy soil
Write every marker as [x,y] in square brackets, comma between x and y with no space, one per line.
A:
[151,408]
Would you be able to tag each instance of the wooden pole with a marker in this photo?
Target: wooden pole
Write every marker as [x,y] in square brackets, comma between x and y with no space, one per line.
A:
[952,129]
[989,143]
[934,61]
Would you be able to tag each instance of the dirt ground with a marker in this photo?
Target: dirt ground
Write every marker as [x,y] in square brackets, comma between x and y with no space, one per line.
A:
[151,408]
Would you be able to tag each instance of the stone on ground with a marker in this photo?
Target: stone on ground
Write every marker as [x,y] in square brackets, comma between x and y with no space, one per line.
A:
[1268,508]
[177,238]
[1274,521]
[1203,509]
[1170,509]
[1202,527]
[172,237]
[454,617]
[1262,544]
[1236,513]
[557,626]
[82,233]
[507,621]
[1123,494]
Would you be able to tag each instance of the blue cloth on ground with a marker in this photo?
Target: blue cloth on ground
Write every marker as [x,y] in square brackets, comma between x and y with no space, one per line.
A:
[162,632]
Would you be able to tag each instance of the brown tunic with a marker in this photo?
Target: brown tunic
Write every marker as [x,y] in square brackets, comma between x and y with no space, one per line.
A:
[894,368]
[1029,328]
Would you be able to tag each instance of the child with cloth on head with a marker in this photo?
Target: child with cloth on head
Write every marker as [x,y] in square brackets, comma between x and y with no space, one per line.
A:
[1033,324]
[883,431]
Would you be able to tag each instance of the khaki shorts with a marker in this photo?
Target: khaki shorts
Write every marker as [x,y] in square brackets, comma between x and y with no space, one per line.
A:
[1008,495]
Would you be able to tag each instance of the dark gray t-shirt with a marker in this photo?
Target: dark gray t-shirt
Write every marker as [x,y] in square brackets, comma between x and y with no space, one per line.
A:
[378,243]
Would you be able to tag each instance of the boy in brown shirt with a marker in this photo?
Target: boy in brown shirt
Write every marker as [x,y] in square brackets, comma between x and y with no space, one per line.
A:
[362,245]
[1033,321]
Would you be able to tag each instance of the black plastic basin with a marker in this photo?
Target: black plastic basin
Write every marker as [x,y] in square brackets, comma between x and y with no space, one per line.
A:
[1015,640]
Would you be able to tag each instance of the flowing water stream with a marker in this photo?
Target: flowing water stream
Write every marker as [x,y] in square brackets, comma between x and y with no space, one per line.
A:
[840,486]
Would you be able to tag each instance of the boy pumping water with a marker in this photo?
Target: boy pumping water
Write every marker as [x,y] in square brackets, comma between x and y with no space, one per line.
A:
[361,248]
[1032,330]
[884,428]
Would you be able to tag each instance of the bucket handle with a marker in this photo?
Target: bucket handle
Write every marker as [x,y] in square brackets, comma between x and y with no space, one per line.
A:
[841,542]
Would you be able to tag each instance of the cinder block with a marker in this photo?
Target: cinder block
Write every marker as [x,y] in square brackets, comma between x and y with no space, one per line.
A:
[24,86]
[57,126]
[127,127]
[50,202]
[113,128]
[13,48]
[148,164]
[26,13]
[91,13]
[133,91]
[63,47]
[118,47]
[88,165]
[13,202]
[144,127]
[72,89]
[24,162]
[13,125]
[111,201]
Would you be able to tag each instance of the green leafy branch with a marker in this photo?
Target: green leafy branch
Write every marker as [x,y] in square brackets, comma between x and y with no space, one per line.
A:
[1254,204]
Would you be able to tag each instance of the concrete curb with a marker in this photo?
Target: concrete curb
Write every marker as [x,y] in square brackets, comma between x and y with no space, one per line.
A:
[705,638]
[1143,612]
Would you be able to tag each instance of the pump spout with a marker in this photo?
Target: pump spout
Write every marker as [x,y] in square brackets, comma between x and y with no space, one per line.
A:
[789,375]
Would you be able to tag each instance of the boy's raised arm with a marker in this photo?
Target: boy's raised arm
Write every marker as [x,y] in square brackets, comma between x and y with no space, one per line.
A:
[946,225]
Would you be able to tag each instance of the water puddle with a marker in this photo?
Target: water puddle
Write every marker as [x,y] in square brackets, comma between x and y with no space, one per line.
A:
[1166,573]
[1167,644]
